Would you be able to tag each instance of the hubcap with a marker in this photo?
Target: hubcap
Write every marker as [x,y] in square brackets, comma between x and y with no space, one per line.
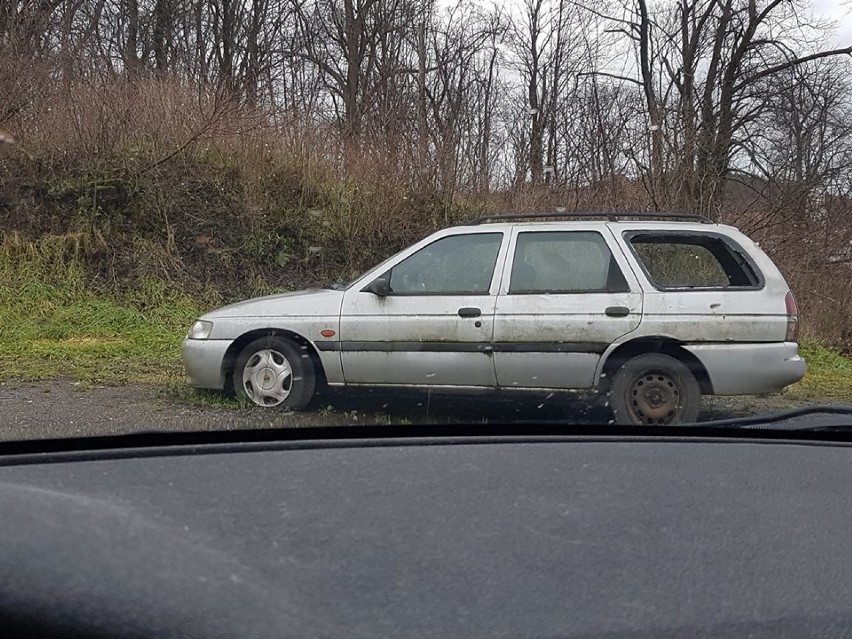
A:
[267,378]
[654,398]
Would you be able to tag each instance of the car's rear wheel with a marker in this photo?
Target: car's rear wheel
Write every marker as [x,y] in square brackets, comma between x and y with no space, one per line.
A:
[655,389]
[273,371]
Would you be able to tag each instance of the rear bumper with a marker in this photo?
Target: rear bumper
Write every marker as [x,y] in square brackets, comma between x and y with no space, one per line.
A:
[749,369]
[202,360]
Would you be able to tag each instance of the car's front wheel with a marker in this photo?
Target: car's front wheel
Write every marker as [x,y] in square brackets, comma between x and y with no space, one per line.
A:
[655,389]
[273,371]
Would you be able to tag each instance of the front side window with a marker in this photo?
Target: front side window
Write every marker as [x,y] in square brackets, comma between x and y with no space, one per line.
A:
[455,265]
[564,262]
[692,261]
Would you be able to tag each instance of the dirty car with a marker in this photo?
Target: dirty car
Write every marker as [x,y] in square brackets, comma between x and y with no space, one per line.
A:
[651,313]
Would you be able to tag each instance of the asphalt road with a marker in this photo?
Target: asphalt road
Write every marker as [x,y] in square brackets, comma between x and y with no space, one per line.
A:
[61,408]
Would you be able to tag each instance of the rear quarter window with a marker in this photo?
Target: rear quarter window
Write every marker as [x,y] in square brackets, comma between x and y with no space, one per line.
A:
[693,261]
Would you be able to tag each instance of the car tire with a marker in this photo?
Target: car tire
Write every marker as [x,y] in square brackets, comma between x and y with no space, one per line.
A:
[274,371]
[654,389]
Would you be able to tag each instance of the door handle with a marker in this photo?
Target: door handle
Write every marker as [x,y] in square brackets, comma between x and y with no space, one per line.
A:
[617,311]
[469,311]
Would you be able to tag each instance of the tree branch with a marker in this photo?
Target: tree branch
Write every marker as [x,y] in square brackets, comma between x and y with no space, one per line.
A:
[612,75]
[790,64]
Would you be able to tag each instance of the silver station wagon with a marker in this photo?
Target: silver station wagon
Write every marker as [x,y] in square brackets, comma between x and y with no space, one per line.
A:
[653,312]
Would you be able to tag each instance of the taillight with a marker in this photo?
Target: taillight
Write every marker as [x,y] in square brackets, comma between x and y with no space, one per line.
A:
[792,318]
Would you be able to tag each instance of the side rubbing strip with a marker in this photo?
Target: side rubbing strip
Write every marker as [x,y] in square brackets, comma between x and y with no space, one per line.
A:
[328,346]
[549,347]
[407,347]
[464,347]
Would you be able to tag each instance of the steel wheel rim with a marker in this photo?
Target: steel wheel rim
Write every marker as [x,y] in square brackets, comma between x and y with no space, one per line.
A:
[267,378]
[654,397]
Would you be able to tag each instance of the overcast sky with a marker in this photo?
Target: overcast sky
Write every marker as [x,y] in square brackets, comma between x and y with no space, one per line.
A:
[841,12]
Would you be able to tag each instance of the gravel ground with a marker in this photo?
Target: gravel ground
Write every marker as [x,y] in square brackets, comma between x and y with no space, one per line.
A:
[61,408]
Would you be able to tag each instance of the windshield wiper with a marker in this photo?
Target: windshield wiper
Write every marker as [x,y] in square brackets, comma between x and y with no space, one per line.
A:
[821,417]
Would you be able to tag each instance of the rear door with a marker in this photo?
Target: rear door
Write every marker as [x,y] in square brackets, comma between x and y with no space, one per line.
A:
[565,296]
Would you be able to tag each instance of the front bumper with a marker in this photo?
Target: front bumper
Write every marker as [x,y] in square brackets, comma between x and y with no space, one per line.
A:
[202,360]
[750,369]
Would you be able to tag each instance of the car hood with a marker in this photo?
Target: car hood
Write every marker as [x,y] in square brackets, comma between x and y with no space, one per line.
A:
[299,303]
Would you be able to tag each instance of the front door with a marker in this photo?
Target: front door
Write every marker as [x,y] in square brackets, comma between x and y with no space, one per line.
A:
[434,327]
[565,297]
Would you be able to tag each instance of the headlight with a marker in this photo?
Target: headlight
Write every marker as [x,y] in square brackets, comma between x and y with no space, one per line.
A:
[200,330]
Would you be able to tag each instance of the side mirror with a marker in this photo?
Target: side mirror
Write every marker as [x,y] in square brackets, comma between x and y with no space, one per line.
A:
[379,287]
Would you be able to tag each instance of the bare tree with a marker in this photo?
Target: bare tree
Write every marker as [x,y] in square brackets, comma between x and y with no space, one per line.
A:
[550,54]
[700,65]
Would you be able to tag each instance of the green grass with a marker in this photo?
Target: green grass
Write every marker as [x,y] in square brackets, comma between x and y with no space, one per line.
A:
[95,340]
[828,376]
[52,325]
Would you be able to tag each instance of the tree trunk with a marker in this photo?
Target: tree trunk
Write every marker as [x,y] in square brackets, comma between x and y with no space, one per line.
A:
[131,45]
[161,37]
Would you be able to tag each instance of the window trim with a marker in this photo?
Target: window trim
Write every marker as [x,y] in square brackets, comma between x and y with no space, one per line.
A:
[613,262]
[729,243]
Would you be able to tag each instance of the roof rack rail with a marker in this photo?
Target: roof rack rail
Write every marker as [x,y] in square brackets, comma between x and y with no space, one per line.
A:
[610,216]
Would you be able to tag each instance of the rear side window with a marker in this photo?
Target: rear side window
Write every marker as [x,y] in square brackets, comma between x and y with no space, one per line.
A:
[680,260]
[564,262]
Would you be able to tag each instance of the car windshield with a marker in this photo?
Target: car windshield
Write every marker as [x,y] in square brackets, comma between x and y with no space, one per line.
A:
[560,214]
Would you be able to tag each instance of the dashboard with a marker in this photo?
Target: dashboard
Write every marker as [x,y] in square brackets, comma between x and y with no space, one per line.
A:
[430,537]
